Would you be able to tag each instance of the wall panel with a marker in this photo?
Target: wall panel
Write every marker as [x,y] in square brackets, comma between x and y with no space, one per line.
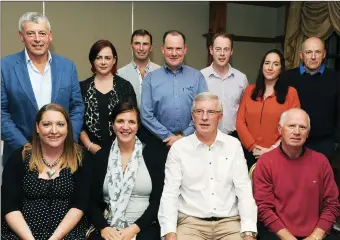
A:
[77,25]
[10,15]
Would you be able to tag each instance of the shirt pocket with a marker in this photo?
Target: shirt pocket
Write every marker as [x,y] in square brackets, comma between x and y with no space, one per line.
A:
[188,91]
[222,169]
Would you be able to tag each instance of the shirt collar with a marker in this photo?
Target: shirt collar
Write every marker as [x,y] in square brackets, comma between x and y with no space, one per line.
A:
[284,153]
[135,66]
[303,69]
[28,59]
[212,71]
[179,69]
[197,142]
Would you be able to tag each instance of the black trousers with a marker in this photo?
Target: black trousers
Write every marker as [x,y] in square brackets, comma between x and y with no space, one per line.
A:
[251,160]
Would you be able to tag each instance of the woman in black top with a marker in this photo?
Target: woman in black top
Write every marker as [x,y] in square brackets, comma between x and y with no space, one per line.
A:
[101,93]
[45,185]
[128,181]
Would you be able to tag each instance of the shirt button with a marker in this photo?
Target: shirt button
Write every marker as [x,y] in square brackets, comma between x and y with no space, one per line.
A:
[214,208]
[212,193]
[210,163]
[211,178]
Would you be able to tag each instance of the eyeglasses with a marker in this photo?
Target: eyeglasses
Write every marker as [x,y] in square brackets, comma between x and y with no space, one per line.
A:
[310,53]
[200,112]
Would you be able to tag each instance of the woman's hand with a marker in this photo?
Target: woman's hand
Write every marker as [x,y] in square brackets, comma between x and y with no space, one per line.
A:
[258,151]
[110,233]
[129,232]
[95,148]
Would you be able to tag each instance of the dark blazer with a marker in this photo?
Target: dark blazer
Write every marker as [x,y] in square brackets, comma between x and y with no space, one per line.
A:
[19,106]
[154,162]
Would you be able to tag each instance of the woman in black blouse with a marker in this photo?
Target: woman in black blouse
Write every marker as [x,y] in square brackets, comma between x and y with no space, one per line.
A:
[101,93]
[128,182]
[45,185]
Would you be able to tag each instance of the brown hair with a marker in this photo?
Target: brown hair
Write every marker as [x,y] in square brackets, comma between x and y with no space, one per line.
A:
[96,48]
[72,154]
[223,35]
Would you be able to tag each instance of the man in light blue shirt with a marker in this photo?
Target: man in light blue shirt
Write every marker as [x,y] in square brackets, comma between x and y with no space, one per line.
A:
[168,92]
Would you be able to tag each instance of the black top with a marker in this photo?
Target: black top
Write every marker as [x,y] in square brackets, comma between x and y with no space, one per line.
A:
[319,96]
[44,203]
[103,102]
[124,91]
[155,164]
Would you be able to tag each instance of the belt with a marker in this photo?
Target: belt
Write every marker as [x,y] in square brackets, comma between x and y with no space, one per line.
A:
[212,219]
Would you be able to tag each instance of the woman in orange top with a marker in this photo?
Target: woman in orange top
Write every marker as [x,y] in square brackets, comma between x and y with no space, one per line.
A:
[261,107]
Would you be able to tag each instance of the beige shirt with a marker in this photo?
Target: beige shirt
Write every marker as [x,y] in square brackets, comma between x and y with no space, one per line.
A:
[205,182]
[230,90]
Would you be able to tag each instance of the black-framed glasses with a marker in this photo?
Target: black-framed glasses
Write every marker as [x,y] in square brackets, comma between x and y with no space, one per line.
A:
[200,112]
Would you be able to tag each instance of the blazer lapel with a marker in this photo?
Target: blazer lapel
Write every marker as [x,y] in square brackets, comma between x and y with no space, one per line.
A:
[56,78]
[24,79]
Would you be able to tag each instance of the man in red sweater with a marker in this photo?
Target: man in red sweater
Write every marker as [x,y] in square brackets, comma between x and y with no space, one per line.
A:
[294,186]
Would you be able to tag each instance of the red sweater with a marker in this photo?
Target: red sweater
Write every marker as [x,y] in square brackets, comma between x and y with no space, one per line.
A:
[298,194]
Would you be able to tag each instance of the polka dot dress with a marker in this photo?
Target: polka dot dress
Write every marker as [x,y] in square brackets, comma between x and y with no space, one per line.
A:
[44,205]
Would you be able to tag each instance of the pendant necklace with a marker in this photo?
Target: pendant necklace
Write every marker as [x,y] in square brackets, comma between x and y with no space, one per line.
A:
[51,171]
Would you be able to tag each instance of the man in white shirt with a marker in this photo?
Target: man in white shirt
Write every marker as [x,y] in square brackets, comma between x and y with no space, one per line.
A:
[207,192]
[225,81]
[140,66]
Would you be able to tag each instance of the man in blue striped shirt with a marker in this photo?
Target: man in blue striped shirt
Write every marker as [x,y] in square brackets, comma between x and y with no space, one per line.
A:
[168,92]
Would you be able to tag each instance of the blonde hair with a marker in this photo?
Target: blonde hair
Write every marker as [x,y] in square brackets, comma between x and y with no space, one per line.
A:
[72,155]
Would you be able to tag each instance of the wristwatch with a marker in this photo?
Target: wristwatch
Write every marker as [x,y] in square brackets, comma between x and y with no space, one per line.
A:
[252,234]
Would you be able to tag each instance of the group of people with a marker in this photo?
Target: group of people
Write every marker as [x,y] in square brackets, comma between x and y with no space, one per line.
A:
[149,151]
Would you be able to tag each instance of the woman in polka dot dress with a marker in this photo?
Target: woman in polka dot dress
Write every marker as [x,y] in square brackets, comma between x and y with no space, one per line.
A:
[45,187]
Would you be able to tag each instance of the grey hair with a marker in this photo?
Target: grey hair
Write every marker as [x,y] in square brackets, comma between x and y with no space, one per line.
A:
[285,113]
[33,17]
[207,96]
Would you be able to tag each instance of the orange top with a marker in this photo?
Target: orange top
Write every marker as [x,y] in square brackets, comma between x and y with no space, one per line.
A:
[257,121]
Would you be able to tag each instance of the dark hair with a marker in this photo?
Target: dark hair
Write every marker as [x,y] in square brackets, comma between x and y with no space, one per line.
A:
[280,88]
[224,35]
[96,48]
[125,106]
[141,32]
[173,33]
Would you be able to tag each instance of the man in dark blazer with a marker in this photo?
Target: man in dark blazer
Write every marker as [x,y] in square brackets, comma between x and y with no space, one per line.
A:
[32,78]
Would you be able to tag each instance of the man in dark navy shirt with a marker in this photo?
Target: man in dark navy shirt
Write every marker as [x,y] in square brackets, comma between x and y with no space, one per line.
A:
[319,93]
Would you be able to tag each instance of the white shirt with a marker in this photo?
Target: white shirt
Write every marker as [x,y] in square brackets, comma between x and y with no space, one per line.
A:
[41,83]
[230,90]
[205,182]
[131,73]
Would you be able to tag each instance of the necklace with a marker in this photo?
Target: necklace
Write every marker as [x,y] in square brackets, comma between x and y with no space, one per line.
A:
[51,171]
